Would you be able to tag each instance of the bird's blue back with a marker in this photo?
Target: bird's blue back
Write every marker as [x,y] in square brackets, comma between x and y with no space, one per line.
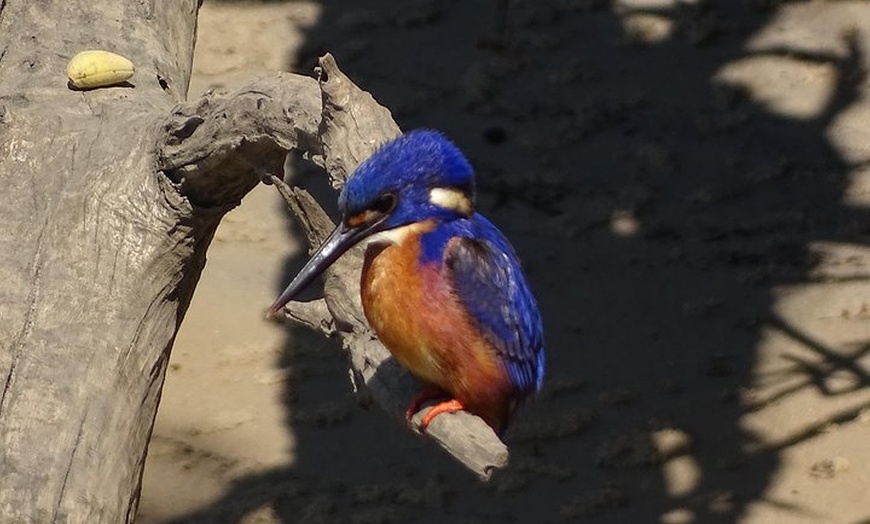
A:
[486,276]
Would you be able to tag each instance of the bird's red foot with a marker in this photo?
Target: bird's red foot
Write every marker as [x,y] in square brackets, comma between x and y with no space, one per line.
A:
[428,393]
[448,406]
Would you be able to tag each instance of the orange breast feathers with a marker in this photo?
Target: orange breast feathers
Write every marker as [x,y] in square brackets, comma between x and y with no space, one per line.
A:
[420,320]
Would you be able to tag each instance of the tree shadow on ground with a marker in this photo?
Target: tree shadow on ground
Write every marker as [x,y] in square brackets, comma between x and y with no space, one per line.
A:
[656,209]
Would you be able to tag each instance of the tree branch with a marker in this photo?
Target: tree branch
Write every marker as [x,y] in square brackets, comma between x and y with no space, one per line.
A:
[352,128]
[216,149]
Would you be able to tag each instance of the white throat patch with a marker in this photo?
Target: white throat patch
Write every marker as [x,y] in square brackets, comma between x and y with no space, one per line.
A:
[450,198]
[394,236]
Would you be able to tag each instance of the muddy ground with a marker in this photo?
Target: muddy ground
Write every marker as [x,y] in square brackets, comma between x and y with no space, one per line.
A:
[687,182]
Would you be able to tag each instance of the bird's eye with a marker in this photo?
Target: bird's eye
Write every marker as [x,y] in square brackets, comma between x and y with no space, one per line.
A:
[385,203]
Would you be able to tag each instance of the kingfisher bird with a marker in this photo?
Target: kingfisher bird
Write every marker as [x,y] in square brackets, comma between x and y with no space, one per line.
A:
[440,285]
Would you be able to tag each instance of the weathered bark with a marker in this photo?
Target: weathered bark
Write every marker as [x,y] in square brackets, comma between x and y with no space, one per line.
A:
[98,255]
[110,199]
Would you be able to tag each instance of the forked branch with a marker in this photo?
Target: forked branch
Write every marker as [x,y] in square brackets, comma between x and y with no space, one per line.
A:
[336,125]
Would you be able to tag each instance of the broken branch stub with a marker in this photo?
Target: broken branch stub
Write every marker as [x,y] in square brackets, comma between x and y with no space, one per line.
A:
[353,124]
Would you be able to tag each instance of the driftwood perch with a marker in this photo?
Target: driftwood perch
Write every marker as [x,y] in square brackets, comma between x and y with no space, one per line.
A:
[217,148]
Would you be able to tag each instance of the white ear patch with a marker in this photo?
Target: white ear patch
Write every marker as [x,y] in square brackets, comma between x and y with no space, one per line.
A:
[451,199]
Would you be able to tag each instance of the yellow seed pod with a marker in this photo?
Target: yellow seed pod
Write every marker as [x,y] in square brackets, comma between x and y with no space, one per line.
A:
[95,68]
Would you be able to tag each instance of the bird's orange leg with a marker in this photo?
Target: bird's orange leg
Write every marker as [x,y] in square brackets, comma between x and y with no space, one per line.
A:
[428,393]
[448,406]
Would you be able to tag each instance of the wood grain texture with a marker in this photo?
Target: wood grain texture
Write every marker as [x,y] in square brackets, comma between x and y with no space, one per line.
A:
[98,255]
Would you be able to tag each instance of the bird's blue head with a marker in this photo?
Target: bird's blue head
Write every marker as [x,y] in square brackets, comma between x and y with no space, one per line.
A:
[418,176]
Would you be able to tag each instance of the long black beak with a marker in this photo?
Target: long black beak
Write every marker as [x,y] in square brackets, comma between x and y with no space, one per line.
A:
[338,242]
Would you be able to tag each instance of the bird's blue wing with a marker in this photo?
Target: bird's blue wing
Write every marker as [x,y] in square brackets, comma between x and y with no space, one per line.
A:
[487,278]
